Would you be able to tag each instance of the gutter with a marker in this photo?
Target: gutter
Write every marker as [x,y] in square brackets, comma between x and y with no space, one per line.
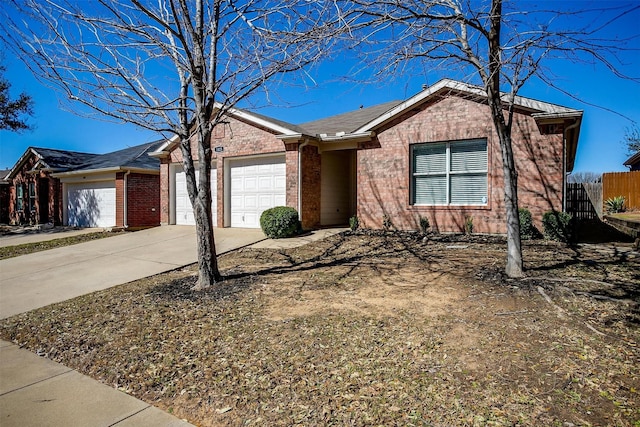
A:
[105,170]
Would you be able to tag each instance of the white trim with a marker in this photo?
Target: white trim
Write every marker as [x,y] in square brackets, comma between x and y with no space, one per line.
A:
[88,178]
[259,121]
[100,171]
[545,109]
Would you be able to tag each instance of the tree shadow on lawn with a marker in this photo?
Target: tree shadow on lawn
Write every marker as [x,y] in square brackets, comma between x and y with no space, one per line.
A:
[384,252]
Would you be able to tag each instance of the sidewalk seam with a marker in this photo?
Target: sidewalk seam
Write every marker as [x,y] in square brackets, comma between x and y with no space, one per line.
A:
[132,415]
[38,382]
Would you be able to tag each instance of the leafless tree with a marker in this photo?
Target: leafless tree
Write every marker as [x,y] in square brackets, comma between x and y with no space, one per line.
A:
[171,66]
[631,139]
[498,44]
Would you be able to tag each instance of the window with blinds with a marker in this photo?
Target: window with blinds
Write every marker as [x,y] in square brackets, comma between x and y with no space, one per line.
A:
[449,173]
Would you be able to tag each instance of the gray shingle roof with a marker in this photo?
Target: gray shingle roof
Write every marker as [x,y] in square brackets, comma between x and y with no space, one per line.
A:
[62,159]
[132,157]
[347,122]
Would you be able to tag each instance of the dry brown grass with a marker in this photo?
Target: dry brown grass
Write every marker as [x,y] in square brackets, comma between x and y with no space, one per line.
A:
[367,329]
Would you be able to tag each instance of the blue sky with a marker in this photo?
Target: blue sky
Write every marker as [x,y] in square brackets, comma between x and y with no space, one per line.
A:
[612,106]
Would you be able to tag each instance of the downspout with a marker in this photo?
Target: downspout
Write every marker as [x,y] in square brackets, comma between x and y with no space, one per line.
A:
[564,163]
[125,197]
[300,147]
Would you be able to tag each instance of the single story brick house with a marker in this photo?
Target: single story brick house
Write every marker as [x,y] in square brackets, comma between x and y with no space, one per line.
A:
[434,155]
[118,189]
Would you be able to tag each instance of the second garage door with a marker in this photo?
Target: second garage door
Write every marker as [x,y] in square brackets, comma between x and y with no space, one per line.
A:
[184,211]
[257,184]
[91,204]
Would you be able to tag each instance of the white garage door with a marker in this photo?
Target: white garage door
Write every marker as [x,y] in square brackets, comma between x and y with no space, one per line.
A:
[256,185]
[184,210]
[91,204]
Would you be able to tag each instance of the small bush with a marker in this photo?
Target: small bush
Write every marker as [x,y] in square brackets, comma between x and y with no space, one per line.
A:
[468,225]
[280,222]
[354,223]
[424,224]
[615,204]
[527,229]
[557,226]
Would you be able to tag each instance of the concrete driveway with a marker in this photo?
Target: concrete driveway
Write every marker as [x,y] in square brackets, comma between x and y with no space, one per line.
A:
[31,281]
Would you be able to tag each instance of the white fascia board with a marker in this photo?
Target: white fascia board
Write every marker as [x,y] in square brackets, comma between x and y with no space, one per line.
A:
[355,136]
[102,171]
[416,99]
[570,114]
[261,122]
[544,108]
[86,172]
[21,161]
[295,137]
[163,149]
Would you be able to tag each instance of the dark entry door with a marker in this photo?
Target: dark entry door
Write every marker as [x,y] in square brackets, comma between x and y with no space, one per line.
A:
[43,200]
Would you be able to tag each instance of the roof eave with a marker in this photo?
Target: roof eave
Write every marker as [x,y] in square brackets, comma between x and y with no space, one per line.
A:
[632,160]
[241,114]
[352,137]
[471,91]
[165,149]
[106,170]
[14,170]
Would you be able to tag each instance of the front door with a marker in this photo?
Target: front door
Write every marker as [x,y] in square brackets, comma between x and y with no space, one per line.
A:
[43,201]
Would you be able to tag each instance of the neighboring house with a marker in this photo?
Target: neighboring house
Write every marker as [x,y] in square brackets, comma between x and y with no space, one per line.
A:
[5,194]
[118,189]
[35,196]
[633,162]
[434,155]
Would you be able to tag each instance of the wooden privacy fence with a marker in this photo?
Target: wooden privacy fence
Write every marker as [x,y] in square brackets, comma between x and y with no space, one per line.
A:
[579,203]
[626,184]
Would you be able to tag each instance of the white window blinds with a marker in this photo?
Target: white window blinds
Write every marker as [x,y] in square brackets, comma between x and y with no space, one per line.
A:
[452,173]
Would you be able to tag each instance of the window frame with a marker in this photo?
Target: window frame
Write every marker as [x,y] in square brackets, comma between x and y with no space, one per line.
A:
[20,197]
[31,192]
[448,173]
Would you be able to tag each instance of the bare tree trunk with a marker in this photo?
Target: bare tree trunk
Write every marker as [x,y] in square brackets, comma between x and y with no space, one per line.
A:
[514,244]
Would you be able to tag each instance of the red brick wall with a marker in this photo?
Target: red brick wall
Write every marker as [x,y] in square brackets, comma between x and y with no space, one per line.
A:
[383,168]
[310,187]
[163,182]
[120,199]
[237,139]
[49,210]
[143,202]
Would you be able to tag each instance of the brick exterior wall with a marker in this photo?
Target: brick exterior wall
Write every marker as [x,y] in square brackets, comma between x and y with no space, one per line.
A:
[120,199]
[143,202]
[48,197]
[310,193]
[237,139]
[384,174]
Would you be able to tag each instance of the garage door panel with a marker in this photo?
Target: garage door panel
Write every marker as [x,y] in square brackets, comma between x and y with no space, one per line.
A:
[256,185]
[91,204]
[184,209]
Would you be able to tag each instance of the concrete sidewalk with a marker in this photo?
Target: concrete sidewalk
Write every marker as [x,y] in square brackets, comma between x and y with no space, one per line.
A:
[37,391]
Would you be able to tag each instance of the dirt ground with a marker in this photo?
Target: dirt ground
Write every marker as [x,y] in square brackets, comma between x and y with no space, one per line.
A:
[369,328]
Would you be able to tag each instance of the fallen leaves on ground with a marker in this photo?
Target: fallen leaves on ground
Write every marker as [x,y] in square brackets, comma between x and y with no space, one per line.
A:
[367,329]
